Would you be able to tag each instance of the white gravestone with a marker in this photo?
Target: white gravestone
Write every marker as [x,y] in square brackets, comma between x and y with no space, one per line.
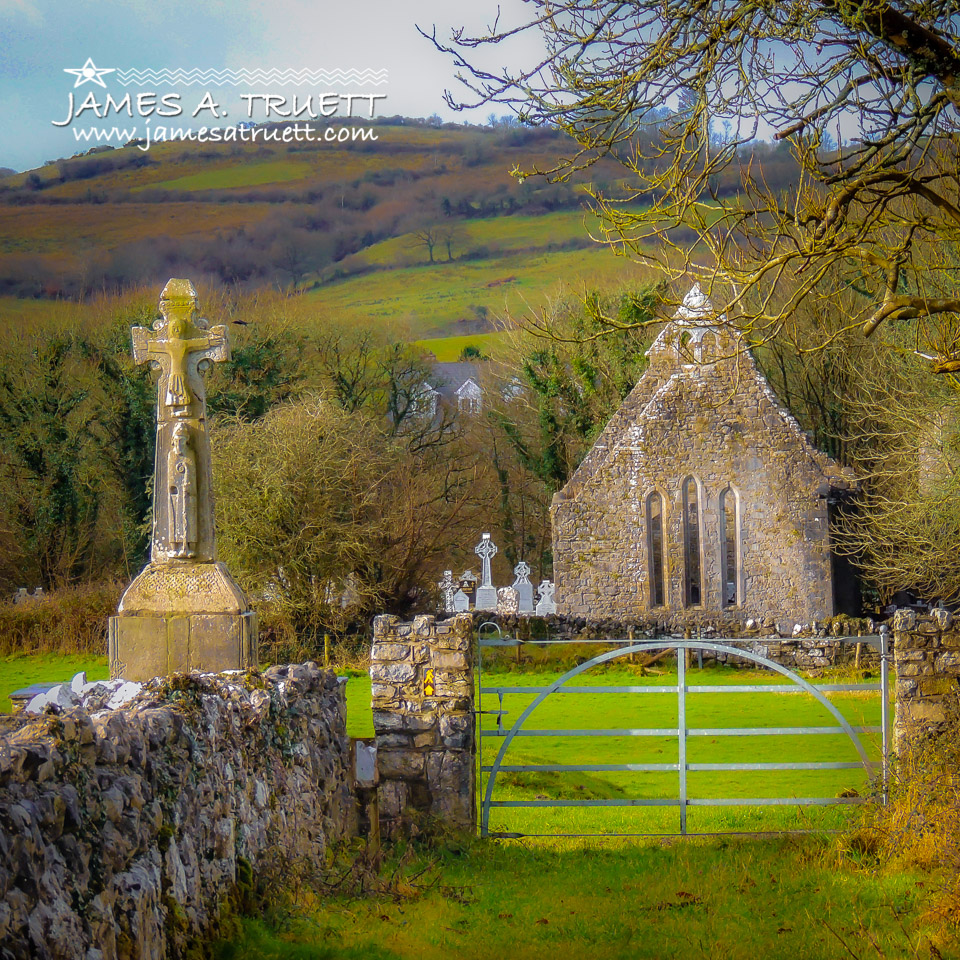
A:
[486,550]
[461,602]
[524,587]
[546,606]
[508,602]
[447,589]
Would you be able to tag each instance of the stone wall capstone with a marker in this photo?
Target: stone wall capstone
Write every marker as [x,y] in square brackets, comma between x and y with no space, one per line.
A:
[123,831]
[927,660]
[423,702]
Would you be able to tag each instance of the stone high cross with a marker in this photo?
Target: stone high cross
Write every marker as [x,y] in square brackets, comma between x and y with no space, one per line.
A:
[181,345]
[183,611]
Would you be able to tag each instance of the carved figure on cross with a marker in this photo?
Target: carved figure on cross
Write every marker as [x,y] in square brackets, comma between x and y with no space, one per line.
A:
[174,340]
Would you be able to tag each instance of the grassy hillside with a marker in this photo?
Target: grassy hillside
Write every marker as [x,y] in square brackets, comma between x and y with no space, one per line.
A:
[459,297]
[350,224]
[339,223]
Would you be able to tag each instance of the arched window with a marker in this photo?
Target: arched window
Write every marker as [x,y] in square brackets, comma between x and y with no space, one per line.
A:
[655,549]
[708,344]
[730,547]
[693,586]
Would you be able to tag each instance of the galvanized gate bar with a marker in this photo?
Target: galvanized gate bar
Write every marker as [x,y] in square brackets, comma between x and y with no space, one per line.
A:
[682,732]
[717,688]
[590,767]
[776,731]
[673,802]
[651,802]
[609,732]
[668,767]
[691,732]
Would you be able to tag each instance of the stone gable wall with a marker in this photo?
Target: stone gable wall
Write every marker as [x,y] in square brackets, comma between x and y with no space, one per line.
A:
[423,701]
[720,424]
[123,831]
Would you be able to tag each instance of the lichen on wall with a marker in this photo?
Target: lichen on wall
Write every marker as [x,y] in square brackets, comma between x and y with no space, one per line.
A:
[123,831]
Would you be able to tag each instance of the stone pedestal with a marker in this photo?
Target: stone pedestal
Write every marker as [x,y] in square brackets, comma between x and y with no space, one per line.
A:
[177,617]
[486,599]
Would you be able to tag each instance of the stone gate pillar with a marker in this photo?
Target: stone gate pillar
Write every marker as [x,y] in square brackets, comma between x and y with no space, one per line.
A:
[927,661]
[423,717]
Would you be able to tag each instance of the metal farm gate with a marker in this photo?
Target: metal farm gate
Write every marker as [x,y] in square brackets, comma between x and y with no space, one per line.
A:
[488,772]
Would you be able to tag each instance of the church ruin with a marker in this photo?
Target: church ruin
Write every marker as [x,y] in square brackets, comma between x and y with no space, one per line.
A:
[702,499]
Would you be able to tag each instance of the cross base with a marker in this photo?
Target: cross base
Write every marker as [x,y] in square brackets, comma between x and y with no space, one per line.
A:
[486,599]
[178,617]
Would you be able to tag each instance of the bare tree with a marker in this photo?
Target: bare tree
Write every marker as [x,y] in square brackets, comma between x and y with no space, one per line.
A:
[865,93]
[429,237]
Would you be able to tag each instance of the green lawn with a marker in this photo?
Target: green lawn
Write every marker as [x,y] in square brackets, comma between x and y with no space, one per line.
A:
[18,672]
[448,349]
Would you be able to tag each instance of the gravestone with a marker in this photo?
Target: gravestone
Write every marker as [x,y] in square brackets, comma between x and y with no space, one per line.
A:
[184,611]
[524,587]
[461,602]
[546,605]
[508,602]
[468,584]
[447,589]
[486,550]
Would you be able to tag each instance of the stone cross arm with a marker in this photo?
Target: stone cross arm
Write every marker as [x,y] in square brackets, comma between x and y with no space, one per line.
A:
[212,345]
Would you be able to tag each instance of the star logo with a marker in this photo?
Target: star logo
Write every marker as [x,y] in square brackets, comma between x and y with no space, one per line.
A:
[89,73]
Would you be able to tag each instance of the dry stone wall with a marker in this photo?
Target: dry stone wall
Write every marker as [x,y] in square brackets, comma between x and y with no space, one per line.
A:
[927,659]
[422,675]
[123,831]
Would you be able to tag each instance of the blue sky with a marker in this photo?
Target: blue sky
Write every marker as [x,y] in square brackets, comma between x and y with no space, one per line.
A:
[40,38]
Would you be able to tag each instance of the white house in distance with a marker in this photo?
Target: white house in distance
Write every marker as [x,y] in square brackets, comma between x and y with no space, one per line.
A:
[455,386]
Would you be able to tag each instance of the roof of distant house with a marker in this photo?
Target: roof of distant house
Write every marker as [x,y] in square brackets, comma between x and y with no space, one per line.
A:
[448,378]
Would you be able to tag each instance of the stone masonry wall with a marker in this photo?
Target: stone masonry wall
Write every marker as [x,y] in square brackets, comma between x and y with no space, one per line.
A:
[423,717]
[718,423]
[927,660]
[122,831]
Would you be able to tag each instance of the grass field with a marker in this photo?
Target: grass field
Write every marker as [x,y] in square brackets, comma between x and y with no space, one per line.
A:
[449,349]
[235,175]
[433,298]
[18,672]
[782,899]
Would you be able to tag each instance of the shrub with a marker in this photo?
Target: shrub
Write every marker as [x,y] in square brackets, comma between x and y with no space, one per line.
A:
[69,620]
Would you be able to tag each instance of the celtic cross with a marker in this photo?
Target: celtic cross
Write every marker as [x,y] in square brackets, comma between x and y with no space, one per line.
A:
[486,550]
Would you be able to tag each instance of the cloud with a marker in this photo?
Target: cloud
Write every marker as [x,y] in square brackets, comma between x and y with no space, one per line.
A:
[28,9]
